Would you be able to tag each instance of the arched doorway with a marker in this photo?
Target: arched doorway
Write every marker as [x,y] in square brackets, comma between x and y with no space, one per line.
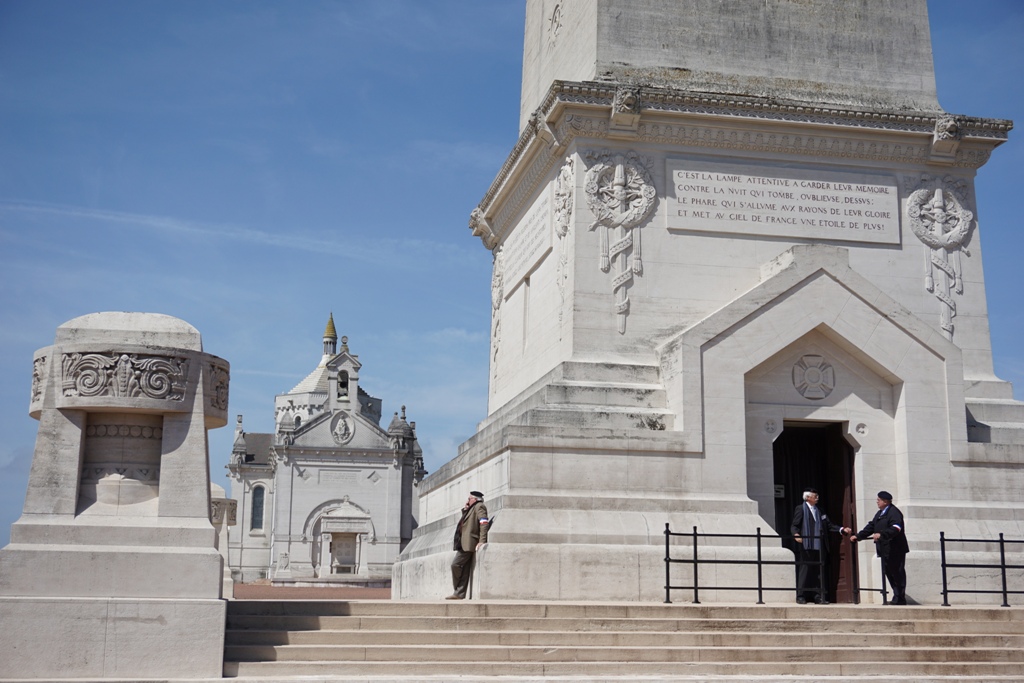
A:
[817,455]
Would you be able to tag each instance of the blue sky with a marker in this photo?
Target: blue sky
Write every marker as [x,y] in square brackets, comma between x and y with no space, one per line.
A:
[250,167]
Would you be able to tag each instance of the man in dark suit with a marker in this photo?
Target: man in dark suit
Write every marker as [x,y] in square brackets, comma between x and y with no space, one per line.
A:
[810,528]
[890,536]
[470,534]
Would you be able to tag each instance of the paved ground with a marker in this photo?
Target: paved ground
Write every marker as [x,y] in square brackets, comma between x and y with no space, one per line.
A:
[264,591]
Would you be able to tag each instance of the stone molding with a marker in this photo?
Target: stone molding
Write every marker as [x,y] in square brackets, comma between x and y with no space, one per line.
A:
[708,121]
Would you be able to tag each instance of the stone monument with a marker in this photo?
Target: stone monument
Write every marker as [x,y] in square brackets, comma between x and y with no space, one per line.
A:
[112,570]
[736,253]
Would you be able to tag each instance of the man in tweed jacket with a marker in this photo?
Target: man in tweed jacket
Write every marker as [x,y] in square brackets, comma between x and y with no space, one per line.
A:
[470,534]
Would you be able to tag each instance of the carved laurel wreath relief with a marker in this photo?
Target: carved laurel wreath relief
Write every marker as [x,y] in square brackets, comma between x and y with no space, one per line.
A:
[565,192]
[124,375]
[937,216]
[621,195]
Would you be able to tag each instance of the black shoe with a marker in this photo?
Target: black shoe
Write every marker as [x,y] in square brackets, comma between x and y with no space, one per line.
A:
[820,601]
[801,601]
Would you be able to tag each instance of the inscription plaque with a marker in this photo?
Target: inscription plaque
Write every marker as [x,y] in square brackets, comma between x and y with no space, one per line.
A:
[337,476]
[528,243]
[710,196]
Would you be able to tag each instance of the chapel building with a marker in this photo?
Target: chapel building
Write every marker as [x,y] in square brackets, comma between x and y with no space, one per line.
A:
[330,495]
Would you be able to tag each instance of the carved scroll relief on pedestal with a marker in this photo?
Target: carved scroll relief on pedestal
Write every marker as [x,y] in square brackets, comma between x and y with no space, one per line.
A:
[937,216]
[621,195]
[565,195]
[123,375]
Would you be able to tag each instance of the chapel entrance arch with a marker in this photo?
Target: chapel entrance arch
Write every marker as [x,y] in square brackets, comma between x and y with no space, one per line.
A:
[817,455]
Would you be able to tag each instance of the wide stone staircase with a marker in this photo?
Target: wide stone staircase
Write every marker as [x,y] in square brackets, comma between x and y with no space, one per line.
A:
[477,640]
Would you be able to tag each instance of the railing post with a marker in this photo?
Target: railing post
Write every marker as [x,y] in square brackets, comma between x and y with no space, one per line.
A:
[696,583]
[942,556]
[668,565]
[822,595]
[1002,566]
[760,582]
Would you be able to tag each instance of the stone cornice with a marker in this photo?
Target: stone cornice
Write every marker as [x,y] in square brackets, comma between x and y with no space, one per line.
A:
[670,100]
[691,119]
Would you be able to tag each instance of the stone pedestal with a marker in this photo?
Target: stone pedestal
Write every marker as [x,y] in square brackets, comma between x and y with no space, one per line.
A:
[113,569]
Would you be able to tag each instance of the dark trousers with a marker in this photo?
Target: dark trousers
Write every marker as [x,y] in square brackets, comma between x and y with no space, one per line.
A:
[807,576]
[462,567]
[895,569]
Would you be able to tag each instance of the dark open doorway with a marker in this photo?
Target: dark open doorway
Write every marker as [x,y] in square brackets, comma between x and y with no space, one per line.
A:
[816,455]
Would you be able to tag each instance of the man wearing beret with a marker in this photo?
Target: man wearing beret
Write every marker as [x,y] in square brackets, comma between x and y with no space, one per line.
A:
[890,536]
[470,535]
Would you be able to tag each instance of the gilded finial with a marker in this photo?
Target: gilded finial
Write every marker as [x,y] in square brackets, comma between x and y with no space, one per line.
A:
[330,332]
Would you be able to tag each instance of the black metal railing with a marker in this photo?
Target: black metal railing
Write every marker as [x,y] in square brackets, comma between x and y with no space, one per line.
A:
[695,561]
[1002,567]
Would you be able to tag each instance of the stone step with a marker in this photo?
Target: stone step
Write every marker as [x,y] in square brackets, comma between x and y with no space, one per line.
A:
[825,668]
[681,609]
[988,411]
[559,625]
[624,373]
[603,417]
[996,432]
[445,652]
[639,395]
[702,638]
[596,610]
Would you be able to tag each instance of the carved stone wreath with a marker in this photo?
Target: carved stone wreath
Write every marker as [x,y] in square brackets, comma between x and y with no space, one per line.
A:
[621,195]
[813,377]
[940,221]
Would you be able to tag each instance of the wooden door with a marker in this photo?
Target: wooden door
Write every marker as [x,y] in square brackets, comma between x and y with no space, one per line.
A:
[816,455]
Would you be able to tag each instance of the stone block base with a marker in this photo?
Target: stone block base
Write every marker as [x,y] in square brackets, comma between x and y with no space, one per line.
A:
[590,572]
[57,638]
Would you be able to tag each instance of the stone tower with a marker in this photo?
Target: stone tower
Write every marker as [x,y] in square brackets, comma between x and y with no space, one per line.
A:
[736,254]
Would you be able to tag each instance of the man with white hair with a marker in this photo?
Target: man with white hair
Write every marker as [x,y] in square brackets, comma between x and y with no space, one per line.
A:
[810,529]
